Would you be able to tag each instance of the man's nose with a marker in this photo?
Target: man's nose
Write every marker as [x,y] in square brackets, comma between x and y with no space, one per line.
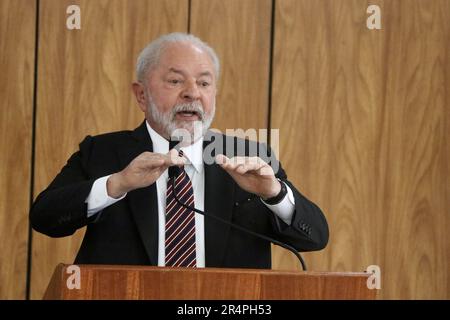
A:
[191,92]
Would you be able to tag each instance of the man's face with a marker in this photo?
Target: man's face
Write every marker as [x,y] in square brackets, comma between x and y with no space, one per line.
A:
[181,90]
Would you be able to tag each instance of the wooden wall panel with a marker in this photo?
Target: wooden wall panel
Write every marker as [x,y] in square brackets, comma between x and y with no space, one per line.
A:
[17,33]
[364,117]
[85,88]
[239,31]
[412,144]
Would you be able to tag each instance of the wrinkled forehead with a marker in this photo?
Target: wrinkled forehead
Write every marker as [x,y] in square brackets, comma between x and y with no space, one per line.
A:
[185,56]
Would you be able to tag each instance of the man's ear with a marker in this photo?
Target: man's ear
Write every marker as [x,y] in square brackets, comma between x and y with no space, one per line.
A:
[139,93]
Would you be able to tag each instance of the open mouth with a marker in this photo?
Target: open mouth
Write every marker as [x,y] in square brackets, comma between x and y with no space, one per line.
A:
[188,115]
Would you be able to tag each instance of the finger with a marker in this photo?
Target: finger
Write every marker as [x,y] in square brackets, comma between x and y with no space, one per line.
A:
[168,159]
[234,163]
[239,160]
[249,167]
[255,160]
[266,170]
[222,160]
[152,163]
[151,156]
[173,159]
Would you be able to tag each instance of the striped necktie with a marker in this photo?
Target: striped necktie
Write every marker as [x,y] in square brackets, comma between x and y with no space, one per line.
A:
[180,224]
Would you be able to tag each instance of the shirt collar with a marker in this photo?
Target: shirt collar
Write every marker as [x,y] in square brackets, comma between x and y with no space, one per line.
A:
[192,152]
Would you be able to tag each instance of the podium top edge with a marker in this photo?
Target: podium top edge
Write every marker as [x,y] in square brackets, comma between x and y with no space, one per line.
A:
[214,270]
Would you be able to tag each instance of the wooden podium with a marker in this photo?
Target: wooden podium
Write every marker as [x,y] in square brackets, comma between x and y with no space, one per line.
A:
[142,282]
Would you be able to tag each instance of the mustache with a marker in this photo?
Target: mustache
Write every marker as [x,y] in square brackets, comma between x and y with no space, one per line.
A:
[196,107]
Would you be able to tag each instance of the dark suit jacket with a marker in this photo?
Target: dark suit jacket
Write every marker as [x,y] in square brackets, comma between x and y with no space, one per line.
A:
[127,231]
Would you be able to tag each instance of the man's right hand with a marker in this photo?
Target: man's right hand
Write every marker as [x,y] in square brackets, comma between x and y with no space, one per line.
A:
[144,170]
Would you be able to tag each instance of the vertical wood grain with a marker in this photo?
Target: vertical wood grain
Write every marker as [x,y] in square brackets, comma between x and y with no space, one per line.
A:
[364,119]
[17,34]
[239,31]
[413,149]
[85,88]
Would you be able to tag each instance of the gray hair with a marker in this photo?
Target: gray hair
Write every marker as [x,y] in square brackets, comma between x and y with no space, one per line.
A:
[149,56]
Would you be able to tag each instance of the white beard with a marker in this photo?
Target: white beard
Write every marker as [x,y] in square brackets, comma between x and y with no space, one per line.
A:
[190,131]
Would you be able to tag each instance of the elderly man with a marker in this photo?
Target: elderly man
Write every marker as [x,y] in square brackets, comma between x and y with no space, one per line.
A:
[117,184]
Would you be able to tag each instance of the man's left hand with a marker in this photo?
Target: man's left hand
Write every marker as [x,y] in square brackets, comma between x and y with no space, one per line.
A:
[251,174]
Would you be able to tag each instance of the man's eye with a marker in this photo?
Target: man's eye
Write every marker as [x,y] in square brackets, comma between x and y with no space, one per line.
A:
[174,81]
[204,84]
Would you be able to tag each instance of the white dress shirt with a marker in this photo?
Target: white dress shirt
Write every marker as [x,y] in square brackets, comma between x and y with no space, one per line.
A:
[99,199]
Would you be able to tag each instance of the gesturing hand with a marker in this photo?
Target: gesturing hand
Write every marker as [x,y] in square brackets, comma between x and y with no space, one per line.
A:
[142,171]
[251,174]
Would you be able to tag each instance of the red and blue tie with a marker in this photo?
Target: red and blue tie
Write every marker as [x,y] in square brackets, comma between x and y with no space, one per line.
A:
[180,224]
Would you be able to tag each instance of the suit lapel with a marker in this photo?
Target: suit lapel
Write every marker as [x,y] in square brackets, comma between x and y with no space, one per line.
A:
[219,195]
[143,202]
[219,199]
